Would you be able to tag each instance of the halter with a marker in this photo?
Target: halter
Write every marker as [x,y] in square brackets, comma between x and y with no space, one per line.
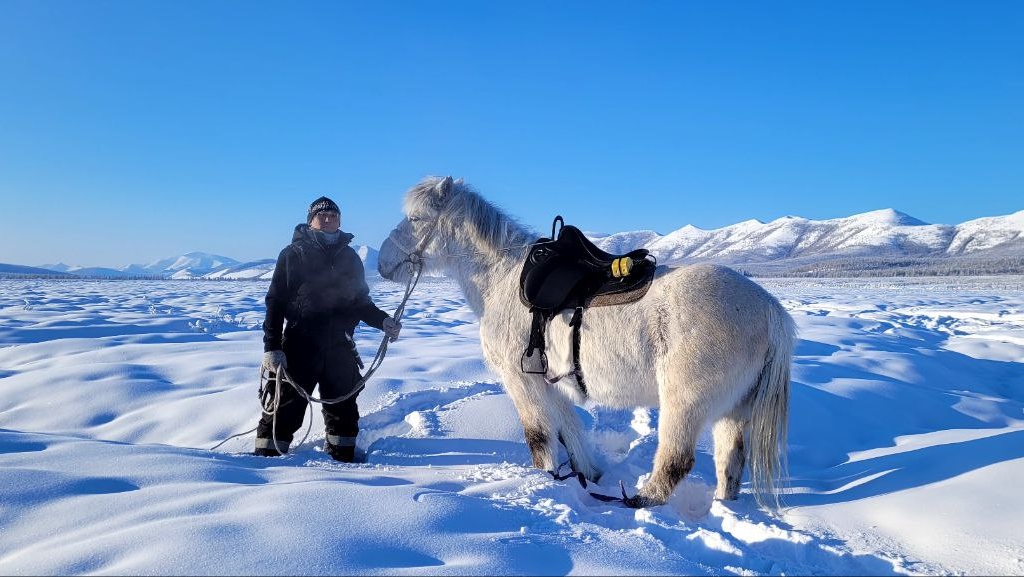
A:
[413,256]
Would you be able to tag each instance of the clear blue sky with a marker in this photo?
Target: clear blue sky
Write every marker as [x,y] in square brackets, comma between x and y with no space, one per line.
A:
[133,130]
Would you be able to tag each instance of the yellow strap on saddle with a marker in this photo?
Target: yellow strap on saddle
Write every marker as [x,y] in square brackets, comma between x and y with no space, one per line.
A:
[621,267]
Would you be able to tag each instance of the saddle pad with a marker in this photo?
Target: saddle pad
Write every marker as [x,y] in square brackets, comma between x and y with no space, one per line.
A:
[628,293]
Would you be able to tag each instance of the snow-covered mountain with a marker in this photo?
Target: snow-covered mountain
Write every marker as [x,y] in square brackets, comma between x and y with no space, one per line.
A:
[59,267]
[19,271]
[197,265]
[990,233]
[255,270]
[369,256]
[190,265]
[262,269]
[876,240]
[880,233]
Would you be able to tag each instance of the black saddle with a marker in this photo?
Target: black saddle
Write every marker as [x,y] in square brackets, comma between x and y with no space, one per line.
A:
[572,271]
[568,271]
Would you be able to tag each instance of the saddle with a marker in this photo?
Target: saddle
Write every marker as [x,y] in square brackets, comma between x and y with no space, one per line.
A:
[568,271]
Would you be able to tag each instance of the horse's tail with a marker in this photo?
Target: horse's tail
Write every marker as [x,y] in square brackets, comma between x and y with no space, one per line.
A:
[769,416]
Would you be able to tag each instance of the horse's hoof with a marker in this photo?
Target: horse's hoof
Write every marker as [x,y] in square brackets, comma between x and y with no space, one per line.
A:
[638,501]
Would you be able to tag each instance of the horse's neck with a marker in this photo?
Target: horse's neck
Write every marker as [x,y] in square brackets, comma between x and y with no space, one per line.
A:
[487,275]
[482,279]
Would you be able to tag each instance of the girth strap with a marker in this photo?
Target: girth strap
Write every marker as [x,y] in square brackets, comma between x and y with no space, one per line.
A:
[540,321]
[539,366]
[577,370]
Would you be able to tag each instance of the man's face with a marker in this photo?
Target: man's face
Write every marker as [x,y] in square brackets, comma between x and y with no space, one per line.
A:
[326,221]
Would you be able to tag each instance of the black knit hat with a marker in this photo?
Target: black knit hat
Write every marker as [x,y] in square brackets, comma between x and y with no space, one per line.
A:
[320,205]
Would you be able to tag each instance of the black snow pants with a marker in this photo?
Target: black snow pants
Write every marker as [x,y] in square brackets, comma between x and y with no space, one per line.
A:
[329,361]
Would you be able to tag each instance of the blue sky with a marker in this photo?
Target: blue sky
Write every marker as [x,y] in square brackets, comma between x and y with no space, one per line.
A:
[134,130]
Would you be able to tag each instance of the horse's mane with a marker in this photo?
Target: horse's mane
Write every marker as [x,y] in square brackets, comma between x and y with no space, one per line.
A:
[467,214]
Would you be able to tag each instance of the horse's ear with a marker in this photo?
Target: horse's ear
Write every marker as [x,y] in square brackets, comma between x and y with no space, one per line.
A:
[436,192]
[444,188]
[441,193]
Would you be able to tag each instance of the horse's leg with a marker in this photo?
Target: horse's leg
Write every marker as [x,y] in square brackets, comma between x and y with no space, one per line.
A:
[730,454]
[533,402]
[570,432]
[686,381]
[678,428]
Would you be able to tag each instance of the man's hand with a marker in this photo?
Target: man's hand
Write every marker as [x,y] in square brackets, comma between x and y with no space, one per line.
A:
[274,359]
[392,328]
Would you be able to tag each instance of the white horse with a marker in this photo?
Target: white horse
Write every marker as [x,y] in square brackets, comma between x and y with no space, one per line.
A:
[706,344]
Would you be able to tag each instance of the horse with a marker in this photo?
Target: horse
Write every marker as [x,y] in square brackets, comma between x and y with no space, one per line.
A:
[705,345]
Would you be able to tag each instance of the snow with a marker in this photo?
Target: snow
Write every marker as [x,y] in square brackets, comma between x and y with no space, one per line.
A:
[988,232]
[885,231]
[887,216]
[906,445]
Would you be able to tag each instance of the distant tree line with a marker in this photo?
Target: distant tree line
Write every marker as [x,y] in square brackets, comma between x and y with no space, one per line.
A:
[226,279]
[29,276]
[893,267]
[60,276]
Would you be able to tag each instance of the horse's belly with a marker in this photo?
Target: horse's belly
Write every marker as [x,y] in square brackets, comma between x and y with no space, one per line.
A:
[617,359]
[616,389]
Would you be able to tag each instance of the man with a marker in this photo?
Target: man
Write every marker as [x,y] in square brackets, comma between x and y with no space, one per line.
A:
[319,288]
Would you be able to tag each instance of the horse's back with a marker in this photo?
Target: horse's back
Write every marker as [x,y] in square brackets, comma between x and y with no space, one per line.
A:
[715,287]
[719,312]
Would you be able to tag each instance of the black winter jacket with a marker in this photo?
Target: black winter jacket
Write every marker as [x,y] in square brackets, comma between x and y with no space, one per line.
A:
[321,291]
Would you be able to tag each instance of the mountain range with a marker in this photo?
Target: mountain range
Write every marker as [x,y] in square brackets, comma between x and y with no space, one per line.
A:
[879,242]
[193,265]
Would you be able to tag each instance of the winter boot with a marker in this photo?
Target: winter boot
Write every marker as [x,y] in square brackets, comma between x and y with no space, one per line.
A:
[341,449]
[267,448]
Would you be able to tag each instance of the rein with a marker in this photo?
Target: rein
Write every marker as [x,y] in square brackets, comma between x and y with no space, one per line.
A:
[632,502]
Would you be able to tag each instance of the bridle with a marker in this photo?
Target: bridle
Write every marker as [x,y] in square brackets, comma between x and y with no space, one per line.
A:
[414,256]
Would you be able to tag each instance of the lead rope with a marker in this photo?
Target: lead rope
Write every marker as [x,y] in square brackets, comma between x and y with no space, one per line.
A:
[634,502]
[281,374]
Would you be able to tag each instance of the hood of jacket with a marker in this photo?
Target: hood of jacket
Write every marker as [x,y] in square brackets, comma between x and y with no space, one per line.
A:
[306,232]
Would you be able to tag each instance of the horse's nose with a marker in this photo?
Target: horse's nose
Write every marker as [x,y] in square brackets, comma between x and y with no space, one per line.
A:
[387,259]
